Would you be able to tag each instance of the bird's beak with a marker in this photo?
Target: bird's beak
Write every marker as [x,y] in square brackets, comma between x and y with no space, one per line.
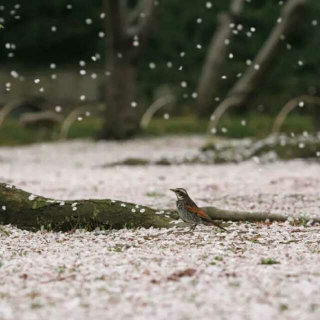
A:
[173,190]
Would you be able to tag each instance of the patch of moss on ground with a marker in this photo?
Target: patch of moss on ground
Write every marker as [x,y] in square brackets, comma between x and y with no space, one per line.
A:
[269,261]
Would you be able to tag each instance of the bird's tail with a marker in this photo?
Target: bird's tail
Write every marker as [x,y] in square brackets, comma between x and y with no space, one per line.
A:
[218,225]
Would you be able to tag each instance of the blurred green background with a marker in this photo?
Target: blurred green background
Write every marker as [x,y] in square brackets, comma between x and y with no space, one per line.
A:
[58,36]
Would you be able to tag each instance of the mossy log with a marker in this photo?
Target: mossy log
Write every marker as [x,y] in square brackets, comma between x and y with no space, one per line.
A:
[30,212]
[273,147]
[268,149]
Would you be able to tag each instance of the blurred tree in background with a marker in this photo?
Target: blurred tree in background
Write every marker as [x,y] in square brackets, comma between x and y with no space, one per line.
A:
[38,33]
[127,32]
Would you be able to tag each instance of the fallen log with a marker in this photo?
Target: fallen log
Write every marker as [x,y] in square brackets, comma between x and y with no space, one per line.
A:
[31,212]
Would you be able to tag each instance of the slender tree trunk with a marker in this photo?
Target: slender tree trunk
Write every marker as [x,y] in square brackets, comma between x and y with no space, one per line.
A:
[243,90]
[292,14]
[27,211]
[212,69]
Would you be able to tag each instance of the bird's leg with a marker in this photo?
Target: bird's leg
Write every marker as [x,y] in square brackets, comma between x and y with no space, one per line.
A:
[193,227]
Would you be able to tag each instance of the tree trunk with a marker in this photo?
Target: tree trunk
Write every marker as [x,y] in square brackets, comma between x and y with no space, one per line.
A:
[245,87]
[212,69]
[122,118]
[30,212]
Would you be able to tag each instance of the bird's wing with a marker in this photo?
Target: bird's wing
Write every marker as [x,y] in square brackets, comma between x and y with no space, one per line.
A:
[200,212]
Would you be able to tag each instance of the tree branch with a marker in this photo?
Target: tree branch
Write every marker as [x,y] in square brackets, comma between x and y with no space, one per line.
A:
[145,16]
[212,69]
[236,7]
[31,212]
[289,106]
[134,15]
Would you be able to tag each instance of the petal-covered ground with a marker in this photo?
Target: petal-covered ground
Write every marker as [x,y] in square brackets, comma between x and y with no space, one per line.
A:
[257,271]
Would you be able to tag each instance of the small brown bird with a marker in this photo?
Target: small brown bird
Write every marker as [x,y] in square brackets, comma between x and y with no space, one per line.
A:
[189,212]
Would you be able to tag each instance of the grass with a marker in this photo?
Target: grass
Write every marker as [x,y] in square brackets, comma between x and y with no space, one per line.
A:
[11,133]
[154,194]
[255,125]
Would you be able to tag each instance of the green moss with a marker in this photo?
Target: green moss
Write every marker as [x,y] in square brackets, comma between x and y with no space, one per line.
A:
[163,162]
[36,305]
[218,258]
[269,261]
[154,194]
[129,162]
[89,214]
[284,307]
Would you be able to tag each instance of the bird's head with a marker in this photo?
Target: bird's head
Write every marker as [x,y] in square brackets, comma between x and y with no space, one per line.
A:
[180,193]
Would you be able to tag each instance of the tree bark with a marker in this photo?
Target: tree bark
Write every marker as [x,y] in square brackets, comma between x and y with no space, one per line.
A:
[212,69]
[30,212]
[244,88]
[26,211]
[122,120]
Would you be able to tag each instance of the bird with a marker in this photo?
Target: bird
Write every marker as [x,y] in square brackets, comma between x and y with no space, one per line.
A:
[189,212]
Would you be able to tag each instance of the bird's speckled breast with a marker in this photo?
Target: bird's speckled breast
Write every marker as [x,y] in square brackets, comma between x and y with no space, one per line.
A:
[186,215]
